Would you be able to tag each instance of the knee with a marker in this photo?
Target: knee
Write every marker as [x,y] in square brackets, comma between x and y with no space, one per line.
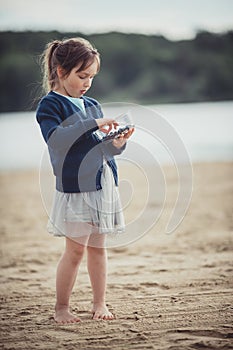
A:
[96,251]
[75,252]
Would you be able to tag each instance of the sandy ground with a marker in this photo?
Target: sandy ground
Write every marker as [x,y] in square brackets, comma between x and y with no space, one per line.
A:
[167,291]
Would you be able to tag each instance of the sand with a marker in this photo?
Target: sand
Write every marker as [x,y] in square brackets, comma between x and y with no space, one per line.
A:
[167,291]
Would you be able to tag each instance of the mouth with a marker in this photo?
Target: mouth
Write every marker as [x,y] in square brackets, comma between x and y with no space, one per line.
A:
[83,91]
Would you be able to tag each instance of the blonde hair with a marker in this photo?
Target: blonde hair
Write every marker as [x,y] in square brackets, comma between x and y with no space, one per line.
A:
[67,54]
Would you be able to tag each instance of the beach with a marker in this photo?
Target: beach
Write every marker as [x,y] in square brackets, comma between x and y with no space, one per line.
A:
[167,291]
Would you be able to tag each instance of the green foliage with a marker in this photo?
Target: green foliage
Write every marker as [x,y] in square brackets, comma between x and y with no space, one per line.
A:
[135,68]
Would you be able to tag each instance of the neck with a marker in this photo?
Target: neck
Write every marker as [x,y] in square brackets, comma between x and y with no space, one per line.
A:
[67,93]
[62,90]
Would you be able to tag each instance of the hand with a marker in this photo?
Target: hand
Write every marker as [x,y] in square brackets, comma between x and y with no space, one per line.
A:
[106,124]
[121,140]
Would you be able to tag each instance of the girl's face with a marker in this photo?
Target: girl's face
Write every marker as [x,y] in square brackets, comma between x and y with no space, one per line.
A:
[76,83]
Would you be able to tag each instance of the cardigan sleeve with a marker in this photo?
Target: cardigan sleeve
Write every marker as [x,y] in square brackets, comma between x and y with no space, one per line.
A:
[57,133]
[110,150]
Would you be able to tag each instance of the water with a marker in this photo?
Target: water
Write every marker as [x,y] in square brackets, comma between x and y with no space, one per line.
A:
[206,130]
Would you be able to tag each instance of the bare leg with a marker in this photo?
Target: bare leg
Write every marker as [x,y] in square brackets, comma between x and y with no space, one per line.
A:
[66,275]
[97,268]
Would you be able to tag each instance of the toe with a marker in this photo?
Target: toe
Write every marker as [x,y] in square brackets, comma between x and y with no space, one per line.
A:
[95,316]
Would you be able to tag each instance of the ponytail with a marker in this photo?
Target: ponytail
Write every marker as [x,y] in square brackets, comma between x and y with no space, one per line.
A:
[49,65]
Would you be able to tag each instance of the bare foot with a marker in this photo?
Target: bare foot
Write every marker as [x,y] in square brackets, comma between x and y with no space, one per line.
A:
[65,316]
[101,312]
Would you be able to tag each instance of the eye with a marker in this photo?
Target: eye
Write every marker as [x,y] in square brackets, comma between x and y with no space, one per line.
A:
[86,77]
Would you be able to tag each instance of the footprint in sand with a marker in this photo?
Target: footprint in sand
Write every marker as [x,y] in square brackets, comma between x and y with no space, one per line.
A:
[154,284]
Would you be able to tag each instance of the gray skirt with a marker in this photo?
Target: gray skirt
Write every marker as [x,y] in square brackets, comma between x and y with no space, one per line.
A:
[80,214]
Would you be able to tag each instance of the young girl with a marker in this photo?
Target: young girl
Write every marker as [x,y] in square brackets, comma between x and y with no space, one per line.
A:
[86,204]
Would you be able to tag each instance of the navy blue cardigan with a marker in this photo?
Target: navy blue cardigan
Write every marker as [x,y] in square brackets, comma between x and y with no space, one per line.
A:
[75,154]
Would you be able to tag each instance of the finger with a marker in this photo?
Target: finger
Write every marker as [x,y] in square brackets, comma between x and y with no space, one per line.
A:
[129,133]
[111,122]
[107,125]
[104,129]
[131,130]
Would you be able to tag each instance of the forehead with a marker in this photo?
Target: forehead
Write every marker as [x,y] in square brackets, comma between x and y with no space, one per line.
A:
[91,69]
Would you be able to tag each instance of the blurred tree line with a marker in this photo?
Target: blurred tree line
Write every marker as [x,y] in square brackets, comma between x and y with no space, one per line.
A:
[135,68]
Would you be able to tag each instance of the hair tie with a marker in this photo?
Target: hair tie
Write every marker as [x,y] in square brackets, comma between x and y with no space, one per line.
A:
[55,45]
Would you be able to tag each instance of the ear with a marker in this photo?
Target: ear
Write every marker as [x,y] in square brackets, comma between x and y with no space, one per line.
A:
[60,72]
